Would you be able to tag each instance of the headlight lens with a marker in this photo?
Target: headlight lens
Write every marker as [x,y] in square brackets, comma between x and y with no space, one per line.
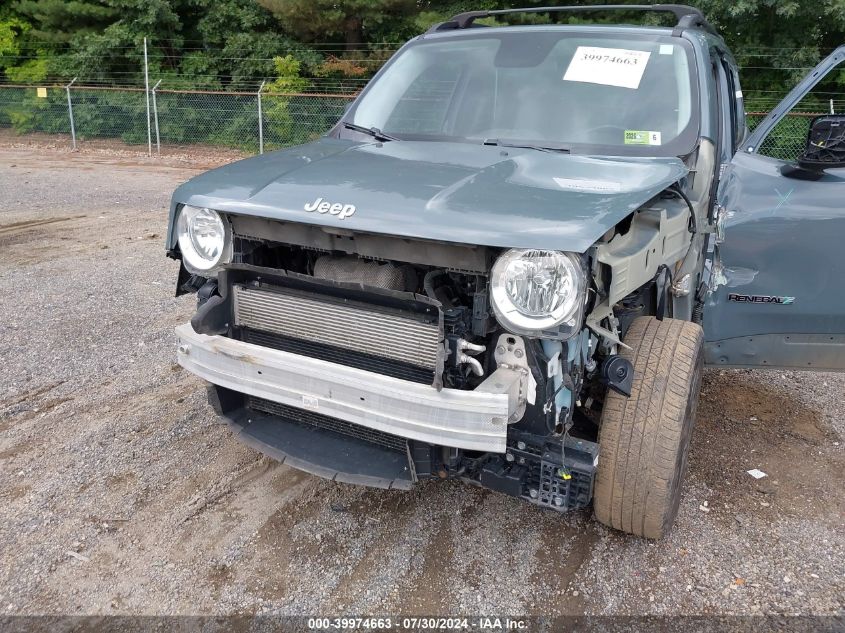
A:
[535,290]
[204,239]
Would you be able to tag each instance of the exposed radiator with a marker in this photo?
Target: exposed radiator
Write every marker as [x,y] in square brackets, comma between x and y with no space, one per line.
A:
[367,362]
[343,325]
[310,418]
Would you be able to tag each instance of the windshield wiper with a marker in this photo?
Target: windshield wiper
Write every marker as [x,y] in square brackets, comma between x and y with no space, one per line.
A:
[372,131]
[516,144]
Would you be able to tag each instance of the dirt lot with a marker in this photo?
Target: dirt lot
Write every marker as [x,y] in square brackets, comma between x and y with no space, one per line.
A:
[121,493]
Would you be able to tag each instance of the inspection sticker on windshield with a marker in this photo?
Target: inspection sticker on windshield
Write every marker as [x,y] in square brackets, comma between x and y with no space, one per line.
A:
[607,66]
[641,137]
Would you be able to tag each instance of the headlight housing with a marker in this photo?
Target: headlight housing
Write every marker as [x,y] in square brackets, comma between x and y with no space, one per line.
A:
[538,292]
[205,239]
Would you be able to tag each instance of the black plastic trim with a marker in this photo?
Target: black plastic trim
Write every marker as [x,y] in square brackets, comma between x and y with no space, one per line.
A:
[313,450]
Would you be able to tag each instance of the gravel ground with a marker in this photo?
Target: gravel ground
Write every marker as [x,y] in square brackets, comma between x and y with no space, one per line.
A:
[121,493]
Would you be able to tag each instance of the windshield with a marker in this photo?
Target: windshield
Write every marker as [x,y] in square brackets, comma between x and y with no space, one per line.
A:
[620,93]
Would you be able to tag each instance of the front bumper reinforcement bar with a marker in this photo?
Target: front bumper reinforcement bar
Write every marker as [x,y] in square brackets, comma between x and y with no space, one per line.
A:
[471,420]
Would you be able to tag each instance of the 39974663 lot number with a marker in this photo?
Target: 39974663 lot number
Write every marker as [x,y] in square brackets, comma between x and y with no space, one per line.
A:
[611,59]
[413,623]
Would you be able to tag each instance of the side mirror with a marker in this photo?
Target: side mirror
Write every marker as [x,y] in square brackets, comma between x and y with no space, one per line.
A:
[825,144]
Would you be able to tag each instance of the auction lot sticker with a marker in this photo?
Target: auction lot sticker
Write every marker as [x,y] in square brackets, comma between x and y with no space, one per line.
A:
[607,66]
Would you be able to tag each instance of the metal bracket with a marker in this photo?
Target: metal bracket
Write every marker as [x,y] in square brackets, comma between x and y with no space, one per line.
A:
[593,320]
[719,224]
[510,352]
[513,376]
[682,286]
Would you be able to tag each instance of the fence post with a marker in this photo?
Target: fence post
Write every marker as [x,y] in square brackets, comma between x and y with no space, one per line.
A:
[260,120]
[155,118]
[831,107]
[70,114]
[147,91]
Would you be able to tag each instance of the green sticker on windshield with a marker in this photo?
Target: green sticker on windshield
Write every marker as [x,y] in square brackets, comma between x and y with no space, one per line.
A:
[642,137]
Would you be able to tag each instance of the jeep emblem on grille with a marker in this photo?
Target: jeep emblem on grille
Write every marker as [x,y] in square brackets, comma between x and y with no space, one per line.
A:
[340,210]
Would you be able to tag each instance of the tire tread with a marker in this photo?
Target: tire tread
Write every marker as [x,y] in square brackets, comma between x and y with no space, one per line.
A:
[642,437]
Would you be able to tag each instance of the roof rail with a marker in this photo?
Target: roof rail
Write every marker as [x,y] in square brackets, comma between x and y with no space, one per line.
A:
[693,21]
[687,17]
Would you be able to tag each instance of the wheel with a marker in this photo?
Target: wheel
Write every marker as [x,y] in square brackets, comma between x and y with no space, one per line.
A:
[644,439]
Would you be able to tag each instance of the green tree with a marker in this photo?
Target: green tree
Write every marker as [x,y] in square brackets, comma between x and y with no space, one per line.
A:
[324,20]
[13,30]
[61,20]
[288,79]
[102,40]
[16,60]
[280,126]
[775,41]
[198,43]
[238,41]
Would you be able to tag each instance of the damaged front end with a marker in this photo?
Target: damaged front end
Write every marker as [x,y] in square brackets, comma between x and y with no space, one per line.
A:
[383,361]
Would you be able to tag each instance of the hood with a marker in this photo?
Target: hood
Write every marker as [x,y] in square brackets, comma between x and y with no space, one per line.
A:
[453,192]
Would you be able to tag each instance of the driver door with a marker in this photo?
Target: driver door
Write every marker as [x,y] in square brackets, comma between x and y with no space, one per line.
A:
[779,299]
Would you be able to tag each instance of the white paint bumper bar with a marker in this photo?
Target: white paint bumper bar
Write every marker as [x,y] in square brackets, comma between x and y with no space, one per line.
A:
[451,417]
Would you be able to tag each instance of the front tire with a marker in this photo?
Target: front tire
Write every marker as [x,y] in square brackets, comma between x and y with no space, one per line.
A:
[644,440]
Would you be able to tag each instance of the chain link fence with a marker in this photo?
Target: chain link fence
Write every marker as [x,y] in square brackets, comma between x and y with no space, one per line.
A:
[27,109]
[106,113]
[248,121]
[788,138]
[208,118]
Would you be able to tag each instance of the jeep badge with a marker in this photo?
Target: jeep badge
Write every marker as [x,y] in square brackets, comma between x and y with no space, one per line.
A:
[340,210]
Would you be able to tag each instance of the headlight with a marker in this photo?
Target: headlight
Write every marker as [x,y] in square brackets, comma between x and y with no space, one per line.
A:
[204,239]
[535,291]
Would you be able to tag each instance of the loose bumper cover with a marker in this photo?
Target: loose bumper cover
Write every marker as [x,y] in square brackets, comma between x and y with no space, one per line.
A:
[472,420]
